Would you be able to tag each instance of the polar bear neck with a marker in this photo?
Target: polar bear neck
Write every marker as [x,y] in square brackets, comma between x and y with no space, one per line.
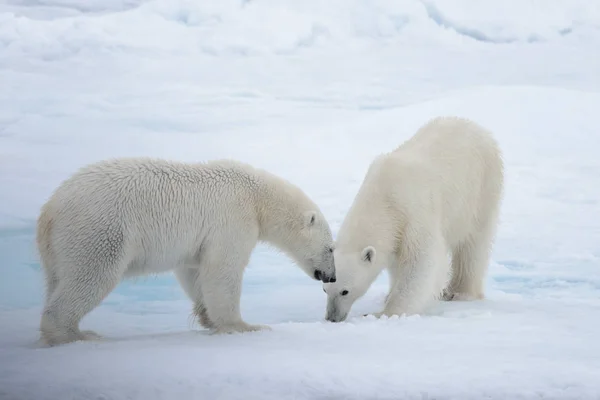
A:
[369,223]
[280,207]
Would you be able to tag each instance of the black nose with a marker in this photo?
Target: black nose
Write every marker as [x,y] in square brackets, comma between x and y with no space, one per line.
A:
[320,276]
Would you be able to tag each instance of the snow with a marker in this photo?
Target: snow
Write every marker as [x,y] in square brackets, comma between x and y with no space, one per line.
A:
[311,91]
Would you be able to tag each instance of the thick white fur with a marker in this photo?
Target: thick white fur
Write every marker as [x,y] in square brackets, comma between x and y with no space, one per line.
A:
[138,216]
[438,193]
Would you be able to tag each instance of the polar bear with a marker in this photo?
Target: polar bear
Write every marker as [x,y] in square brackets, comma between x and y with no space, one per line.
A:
[135,216]
[437,193]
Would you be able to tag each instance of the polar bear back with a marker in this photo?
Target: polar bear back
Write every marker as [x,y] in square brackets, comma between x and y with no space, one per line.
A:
[463,171]
[160,209]
[449,173]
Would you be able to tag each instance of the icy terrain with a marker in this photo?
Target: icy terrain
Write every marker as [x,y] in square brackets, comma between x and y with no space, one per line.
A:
[311,90]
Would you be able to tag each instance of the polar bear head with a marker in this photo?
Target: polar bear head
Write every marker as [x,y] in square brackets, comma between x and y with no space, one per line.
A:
[312,246]
[355,272]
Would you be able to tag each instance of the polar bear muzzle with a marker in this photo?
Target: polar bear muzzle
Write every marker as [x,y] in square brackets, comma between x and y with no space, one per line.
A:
[335,313]
[321,276]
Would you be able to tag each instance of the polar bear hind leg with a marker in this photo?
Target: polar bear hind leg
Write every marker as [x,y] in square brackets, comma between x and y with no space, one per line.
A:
[189,279]
[46,253]
[470,263]
[73,298]
[51,281]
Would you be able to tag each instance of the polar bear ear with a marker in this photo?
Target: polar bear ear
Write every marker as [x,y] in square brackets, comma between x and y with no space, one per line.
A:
[309,218]
[368,254]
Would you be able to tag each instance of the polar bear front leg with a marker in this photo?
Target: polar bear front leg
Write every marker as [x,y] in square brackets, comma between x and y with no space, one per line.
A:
[221,279]
[418,282]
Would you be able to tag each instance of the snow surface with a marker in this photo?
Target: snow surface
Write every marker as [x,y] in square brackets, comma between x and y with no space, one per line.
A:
[311,90]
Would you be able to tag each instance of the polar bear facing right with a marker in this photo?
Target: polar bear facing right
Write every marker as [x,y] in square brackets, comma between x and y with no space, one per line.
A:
[130,217]
[438,193]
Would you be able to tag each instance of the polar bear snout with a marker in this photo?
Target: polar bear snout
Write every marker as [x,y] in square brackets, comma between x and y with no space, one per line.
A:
[323,266]
[323,277]
[334,311]
[335,318]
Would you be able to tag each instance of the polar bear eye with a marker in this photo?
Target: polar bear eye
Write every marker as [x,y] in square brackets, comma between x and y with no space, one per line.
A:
[331,249]
[344,292]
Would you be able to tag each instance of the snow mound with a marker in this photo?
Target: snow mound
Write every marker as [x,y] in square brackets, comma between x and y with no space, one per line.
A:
[261,27]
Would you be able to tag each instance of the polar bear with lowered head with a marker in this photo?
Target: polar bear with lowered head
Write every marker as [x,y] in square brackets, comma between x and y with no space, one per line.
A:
[438,193]
[137,216]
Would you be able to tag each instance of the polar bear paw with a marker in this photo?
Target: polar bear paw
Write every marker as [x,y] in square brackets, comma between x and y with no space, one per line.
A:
[447,295]
[376,315]
[452,296]
[54,338]
[90,335]
[239,327]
